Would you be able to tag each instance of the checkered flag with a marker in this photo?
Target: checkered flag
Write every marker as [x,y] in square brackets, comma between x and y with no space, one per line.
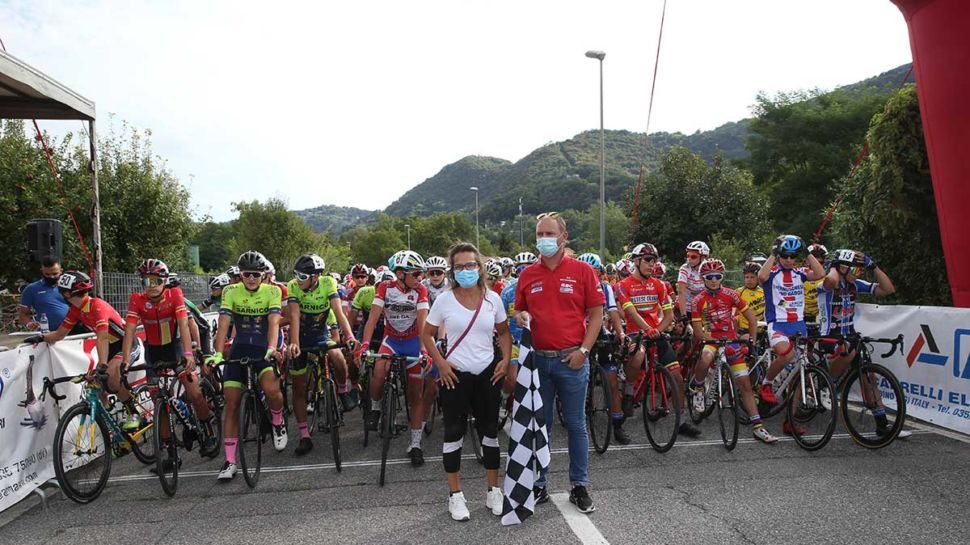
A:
[528,440]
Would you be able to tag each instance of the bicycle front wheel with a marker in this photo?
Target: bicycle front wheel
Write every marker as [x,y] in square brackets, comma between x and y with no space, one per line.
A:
[250,445]
[661,408]
[333,422]
[388,415]
[142,441]
[598,410]
[166,449]
[82,453]
[214,432]
[867,392]
[727,408]
[313,405]
[811,409]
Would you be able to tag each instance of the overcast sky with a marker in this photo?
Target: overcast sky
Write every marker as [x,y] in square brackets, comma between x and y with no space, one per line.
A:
[354,103]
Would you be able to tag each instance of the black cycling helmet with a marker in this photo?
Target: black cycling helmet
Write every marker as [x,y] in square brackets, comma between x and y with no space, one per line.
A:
[751,267]
[309,264]
[75,282]
[252,261]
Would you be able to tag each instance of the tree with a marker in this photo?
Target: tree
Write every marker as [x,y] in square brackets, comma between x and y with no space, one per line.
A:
[800,143]
[213,241]
[272,229]
[689,199]
[888,208]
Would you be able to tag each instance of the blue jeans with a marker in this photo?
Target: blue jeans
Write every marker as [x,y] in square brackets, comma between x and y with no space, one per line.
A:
[556,377]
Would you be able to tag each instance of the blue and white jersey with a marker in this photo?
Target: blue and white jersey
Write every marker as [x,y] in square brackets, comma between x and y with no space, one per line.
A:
[836,306]
[785,295]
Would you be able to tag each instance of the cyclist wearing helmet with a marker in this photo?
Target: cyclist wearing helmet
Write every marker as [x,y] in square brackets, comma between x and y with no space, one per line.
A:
[689,281]
[611,276]
[163,314]
[753,295]
[216,285]
[99,317]
[437,281]
[624,268]
[508,267]
[649,309]
[253,307]
[233,274]
[312,298]
[713,319]
[659,271]
[403,303]
[493,276]
[784,286]
[811,288]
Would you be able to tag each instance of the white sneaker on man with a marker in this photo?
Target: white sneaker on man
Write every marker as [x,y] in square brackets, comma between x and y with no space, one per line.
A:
[457,507]
[279,437]
[494,499]
[228,472]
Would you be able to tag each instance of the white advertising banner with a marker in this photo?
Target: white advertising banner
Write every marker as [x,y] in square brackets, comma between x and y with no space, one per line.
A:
[28,419]
[934,367]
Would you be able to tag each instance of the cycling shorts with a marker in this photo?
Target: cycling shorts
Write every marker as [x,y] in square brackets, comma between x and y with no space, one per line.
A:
[779,332]
[734,352]
[297,366]
[234,373]
[405,347]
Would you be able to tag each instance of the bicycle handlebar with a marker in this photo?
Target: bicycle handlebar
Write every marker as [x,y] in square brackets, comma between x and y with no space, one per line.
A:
[393,357]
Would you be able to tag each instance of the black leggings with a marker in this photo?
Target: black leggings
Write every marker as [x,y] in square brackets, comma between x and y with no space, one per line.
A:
[475,392]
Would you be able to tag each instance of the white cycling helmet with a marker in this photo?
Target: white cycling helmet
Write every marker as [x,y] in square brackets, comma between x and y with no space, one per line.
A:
[700,247]
[408,260]
[436,262]
[494,268]
[525,258]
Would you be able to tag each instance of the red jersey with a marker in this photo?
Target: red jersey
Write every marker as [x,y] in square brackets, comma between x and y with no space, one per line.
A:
[159,317]
[648,297]
[557,300]
[716,312]
[98,316]
[498,286]
[283,295]
[401,306]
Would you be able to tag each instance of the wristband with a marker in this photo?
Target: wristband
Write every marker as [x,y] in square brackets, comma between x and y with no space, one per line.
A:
[188,353]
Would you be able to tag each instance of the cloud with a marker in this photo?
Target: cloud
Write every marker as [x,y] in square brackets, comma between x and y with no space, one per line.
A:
[354,103]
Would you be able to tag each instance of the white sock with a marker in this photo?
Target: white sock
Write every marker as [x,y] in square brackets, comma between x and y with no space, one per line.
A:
[416,437]
[375,405]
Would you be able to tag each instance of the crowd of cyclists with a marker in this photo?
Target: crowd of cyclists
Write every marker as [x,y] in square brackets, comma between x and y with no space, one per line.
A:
[794,291]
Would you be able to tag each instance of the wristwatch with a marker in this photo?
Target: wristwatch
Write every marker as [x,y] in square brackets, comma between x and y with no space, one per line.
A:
[584,350]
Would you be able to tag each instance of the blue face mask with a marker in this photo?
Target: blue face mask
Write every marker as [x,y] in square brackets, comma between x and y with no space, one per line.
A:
[547,246]
[466,279]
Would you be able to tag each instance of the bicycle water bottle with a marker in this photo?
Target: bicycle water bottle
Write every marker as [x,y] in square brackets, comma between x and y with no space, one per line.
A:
[45,326]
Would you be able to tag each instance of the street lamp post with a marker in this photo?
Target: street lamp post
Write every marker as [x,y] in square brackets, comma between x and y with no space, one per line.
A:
[408,227]
[600,55]
[477,241]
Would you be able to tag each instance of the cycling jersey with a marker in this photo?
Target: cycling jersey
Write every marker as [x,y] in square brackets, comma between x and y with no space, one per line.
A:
[508,299]
[498,286]
[363,298]
[715,312]
[755,299]
[315,306]
[811,298]
[250,312]
[97,315]
[284,296]
[837,306]
[692,278]
[160,317]
[434,292]
[401,306]
[649,297]
[785,295]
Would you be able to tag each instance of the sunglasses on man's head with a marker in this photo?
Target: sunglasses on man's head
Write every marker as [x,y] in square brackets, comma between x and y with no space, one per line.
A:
[713,276]
[547,215]
[152,282]
[302,277]
[436,273]
[251,274]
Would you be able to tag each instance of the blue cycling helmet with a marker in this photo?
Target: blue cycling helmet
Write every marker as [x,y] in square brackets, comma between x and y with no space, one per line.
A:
[592,260]
[790,244]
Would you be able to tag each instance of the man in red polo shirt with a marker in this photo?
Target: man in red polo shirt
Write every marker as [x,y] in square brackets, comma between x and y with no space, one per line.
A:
[561,300]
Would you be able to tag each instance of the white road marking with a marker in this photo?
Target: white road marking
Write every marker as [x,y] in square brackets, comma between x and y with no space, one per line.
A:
[933,429]
[581,525]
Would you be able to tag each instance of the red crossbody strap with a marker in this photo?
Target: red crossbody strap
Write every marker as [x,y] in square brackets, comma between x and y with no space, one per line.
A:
[467,329]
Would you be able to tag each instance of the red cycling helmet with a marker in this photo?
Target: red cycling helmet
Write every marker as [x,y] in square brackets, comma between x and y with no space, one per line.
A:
[153,266]
[659,270]
[712,266]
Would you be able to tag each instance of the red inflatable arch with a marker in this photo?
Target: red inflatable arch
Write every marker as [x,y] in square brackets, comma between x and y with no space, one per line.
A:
[939,34]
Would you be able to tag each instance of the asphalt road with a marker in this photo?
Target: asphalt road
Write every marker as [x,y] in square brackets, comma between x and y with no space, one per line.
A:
[913,491]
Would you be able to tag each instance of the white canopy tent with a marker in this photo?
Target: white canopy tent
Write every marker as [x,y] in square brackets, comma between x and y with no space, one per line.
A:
[28,93]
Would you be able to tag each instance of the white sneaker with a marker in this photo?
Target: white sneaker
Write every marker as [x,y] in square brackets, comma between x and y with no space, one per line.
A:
[494,499]
[279,438]
[825,398]
[700,403]
[762,434]
[228,472]
[457,507]
[903,434]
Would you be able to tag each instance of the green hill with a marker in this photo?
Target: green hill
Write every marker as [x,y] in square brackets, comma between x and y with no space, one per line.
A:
[448,190]
[335,219]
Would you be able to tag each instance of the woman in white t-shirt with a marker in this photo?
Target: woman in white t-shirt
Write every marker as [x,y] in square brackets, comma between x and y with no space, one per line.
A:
[470,376]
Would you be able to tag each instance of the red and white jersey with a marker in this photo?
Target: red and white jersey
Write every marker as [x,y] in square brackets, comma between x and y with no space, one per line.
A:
[400,306]
[695,284]
[785,294]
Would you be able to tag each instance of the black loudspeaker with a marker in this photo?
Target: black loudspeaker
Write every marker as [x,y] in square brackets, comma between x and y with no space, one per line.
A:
[44,239]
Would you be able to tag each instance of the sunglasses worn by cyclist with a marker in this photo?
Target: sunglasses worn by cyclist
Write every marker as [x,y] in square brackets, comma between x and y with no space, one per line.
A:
[787,256]
[692,255]
[415,274]
[361,277]
[713,276]
[251,274]
[436,273]
[302,277]
[152,282]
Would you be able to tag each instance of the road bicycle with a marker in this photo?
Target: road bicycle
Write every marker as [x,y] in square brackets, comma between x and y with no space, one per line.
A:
[394,388]
[324,411]
[655,390]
